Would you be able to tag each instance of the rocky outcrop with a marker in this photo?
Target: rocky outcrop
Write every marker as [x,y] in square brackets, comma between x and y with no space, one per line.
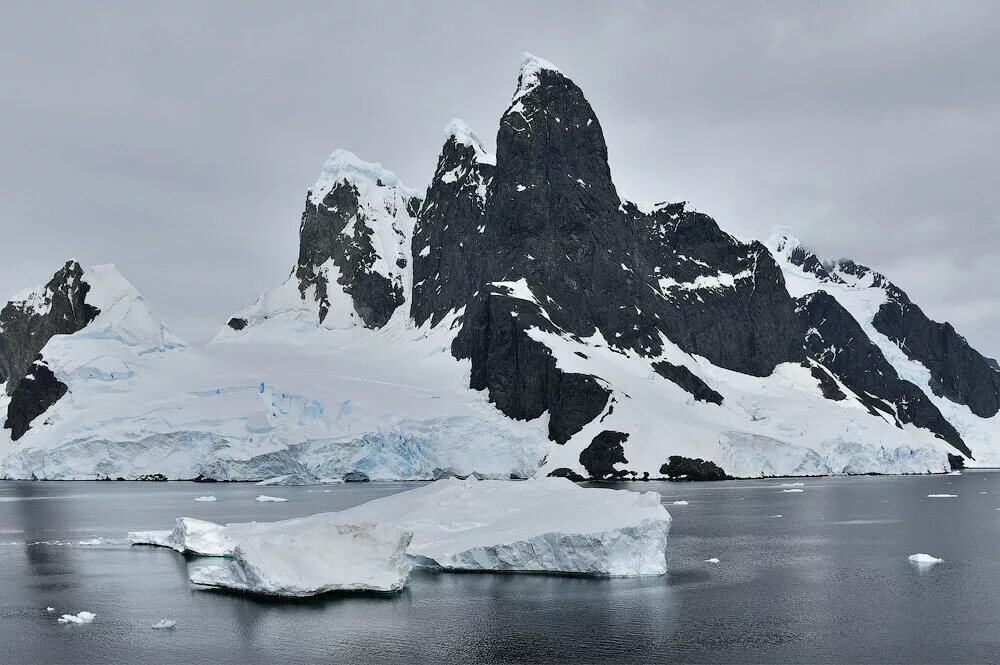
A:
[600,457]
[691,470]
[687,380]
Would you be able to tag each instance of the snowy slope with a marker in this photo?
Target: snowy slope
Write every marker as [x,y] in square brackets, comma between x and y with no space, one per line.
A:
[863,296]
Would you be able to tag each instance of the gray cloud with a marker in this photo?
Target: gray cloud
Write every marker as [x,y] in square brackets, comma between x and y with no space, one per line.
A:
[177,140]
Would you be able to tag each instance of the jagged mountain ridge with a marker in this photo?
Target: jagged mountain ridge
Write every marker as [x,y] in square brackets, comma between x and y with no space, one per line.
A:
[607,338]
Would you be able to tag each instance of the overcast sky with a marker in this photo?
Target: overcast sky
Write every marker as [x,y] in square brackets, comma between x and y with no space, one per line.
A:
[178,141]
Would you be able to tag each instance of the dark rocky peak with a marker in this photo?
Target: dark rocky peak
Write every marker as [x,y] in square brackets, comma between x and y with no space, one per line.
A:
[450,226]
[720,297]
[355,232]
[33,317]
[553,217]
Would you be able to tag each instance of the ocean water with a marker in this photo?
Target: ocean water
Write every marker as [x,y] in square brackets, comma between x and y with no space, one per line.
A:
[815,576]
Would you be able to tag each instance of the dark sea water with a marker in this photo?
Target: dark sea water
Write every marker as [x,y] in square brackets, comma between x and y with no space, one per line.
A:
[828,580]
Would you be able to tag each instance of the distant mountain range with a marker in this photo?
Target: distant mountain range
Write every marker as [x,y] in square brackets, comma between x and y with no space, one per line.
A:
[516,318]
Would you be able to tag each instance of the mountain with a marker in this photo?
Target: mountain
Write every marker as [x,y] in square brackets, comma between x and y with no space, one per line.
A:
[515,318]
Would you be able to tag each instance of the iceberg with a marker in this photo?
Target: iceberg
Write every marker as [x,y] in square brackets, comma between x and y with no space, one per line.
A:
[164,624]
[263,498]
[546,525]
[205,499]
[924,559]
[304,559]
[82,617]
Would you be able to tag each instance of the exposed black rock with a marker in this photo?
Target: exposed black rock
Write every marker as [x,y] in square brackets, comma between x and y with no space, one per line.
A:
[687,380]
[520,372]
[27,326]
[838,342]
[956,462]
[447,237]
[563,472]
[237,323]
[958,372]
[153,477]
[356,477]
[34,394]
[688,469]
[827,384]
[324,236]
[600,457]
[721,298]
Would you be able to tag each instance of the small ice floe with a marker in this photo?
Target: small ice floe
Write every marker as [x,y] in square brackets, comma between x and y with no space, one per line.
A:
[924,559]
[263,498]
[680,503]
[712,560]
[164,624]
[50,609]
[942,496]
[82,617]
[205,499]
[92,541]
[793,484]
[793,490]
[955,473]
[777,515]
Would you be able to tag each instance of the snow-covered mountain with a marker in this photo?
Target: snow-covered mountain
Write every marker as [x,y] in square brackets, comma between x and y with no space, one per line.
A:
[516,318]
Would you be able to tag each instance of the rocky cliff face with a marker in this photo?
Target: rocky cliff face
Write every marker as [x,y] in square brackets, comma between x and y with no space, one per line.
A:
[27,323]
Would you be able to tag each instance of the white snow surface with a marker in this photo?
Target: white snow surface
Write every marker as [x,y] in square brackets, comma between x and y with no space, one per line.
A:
[464,134]
[540,525]
[309,558]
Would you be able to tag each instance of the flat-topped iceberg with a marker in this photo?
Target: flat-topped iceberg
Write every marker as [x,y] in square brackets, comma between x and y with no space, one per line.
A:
[543,525]
[539,525]
[312,558]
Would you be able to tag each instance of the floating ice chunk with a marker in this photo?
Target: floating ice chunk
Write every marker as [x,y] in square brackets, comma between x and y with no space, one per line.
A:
[776,515]
[164,624]
[793,484]
[794,490]
[924,559]
[712,560]
[50,609]
[320,558]
[188,535]
[263,498]
[82,617]
[942,496]
[680,503]
[92,541]
[205,499]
